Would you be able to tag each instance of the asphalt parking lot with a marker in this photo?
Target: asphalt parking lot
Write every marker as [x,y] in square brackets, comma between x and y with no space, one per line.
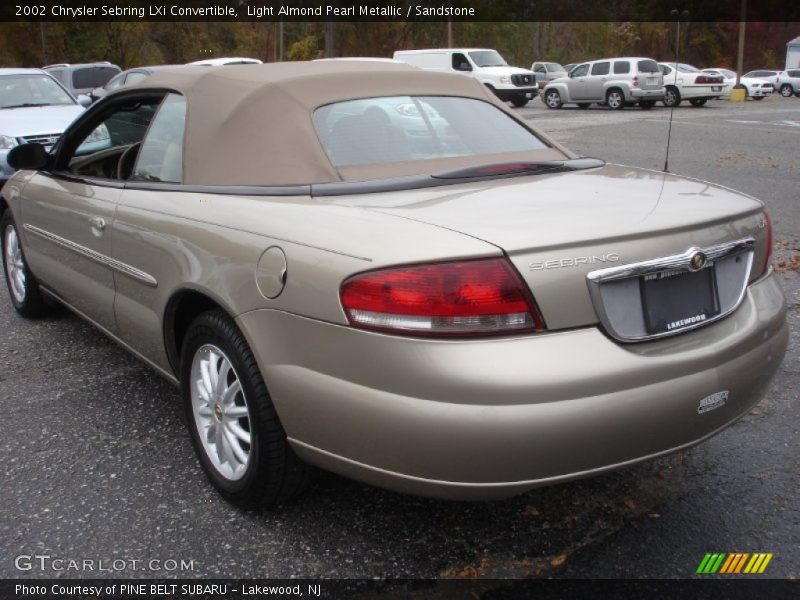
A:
[97,463]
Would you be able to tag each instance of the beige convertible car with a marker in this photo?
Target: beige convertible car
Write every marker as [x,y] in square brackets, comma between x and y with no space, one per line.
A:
[386,273]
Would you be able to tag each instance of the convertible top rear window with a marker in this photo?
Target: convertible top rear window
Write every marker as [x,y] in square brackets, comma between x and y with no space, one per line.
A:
[395,129]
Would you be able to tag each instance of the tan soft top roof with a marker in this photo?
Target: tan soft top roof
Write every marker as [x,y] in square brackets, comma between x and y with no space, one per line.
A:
[252,124]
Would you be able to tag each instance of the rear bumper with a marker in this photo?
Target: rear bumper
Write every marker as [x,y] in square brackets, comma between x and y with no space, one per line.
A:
[639,94]
[488,419]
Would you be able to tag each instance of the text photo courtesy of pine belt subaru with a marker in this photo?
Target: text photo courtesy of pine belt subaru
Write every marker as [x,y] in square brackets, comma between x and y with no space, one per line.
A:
[384,272]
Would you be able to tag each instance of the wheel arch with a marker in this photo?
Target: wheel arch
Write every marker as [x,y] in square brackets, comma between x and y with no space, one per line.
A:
[183,307]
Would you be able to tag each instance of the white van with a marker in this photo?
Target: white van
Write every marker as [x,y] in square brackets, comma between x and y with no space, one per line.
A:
[510,84]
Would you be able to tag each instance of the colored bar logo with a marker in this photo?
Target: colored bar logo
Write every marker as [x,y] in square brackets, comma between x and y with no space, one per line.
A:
[734,563]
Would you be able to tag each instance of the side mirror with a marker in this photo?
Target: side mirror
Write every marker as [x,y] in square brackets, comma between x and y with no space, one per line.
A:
[84,100]
[569,74]
[98,93]
[31,157]
[464,66]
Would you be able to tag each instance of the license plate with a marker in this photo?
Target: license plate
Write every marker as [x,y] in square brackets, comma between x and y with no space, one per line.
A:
[673,300]
[716,88]
[652,80]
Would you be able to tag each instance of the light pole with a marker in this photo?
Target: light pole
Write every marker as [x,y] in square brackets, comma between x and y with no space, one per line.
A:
[677,15]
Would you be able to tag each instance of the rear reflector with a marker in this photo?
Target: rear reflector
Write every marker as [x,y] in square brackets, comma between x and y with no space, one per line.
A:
[472,297]
[768,253]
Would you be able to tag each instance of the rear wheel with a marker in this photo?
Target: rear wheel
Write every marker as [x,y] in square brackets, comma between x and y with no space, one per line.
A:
[584,105]
[519,100]
[23,287]
[234,427]
[552,99]
[672,97]
[647,104]
[698,101]
[786,90]
[615,99]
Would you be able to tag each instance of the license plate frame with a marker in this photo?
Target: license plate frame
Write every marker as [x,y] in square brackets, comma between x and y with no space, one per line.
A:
[676,300]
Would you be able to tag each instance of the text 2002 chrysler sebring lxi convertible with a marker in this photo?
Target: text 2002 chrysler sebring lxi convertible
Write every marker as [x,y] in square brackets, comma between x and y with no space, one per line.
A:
[385,273]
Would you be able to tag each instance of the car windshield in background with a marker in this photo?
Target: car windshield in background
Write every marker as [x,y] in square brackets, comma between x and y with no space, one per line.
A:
[688,69]
[647,66]
[404,128]
[554,67]
[728,74]
[487,58]
[17,91]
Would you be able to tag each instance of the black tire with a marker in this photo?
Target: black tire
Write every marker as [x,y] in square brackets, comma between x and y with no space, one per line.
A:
[274,474]
[615,99]
[646,104]
[758,97]
[697,102]
[552,99]
[672,96]
[786,90]
[519,100]
[31,304]
[584,105]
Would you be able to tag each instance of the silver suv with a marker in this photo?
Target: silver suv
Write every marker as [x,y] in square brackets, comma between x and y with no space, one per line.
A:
[615,82]
[83,78]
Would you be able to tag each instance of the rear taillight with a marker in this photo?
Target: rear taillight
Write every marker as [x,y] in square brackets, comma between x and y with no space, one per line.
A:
[707,79]
[472,297]
[768,251]
[635,81]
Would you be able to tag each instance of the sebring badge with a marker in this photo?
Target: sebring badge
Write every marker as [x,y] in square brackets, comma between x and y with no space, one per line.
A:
[574,261]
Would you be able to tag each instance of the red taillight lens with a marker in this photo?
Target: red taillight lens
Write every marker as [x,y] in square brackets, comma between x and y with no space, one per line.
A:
[707,79]
[768,253]
[635,81]
[473,297]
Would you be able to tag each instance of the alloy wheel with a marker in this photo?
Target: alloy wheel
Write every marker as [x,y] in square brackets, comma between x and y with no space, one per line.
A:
[786,91]
[614,100]
[220,412]
[553,99]
[15,264]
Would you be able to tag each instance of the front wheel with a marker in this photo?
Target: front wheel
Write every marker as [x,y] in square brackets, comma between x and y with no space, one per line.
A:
[672,97]
[647,104]
[697,102]
[615,99]
[519,100]
[786,90]
[552,99]
[234,427]
[23,287]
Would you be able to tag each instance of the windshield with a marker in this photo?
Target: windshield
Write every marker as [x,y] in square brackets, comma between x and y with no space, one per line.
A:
[18,91]
[554,67]
[487,58]
[405,128]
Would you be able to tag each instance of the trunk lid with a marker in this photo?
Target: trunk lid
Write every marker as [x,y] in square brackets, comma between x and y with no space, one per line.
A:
[557,228]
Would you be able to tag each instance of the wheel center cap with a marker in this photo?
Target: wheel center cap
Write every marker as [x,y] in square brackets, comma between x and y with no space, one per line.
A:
[218,412]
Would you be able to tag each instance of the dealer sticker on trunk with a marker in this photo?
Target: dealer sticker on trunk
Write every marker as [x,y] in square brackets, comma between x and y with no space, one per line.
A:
[711,402]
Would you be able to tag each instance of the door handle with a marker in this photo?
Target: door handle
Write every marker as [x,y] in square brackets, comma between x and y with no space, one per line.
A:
[98,223]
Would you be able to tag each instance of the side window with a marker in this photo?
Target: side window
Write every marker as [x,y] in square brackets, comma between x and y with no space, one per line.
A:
[539,68]
[600,68]
[665,70]
[621,67]
[460,62]
[57,73]
[109,151]
[580,71]
[161,156]
[794,73]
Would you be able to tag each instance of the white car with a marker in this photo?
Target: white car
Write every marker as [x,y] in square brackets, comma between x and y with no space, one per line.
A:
[790,83]
[217,62]
[685,82]
[728,78]
[757,88]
